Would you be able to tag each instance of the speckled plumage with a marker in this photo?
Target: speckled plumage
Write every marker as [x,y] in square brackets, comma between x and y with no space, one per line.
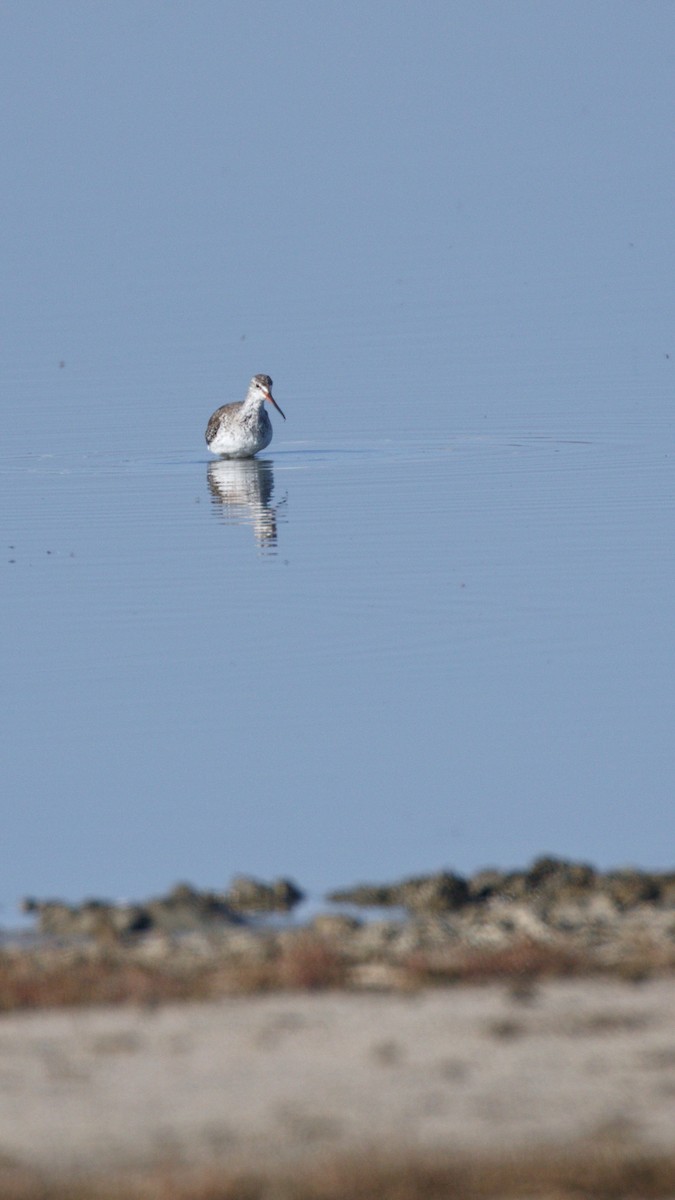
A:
[240,430]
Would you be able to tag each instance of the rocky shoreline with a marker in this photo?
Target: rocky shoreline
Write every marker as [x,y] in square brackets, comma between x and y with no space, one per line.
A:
[552,918]
[324,1045]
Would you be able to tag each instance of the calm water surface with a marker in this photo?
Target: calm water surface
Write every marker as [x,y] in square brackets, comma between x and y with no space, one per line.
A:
[357,656]
[432,626]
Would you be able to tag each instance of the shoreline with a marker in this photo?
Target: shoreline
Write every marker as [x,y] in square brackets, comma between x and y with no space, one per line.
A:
[554,919]
[508,1035]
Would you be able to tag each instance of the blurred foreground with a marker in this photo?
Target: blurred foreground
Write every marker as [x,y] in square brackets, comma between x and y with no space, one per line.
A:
[563,1087]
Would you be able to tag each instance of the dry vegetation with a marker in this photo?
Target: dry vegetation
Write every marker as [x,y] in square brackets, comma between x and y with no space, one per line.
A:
[581,1174]
[308,962]
[520,962]
[58,980]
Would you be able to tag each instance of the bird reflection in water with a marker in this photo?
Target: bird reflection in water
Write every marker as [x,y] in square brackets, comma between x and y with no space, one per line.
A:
[242,490]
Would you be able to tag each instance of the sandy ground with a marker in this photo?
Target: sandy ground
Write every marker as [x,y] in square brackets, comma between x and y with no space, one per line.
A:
[264,1079]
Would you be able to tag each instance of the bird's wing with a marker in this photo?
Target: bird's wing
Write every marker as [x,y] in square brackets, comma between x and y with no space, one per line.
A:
[214,421]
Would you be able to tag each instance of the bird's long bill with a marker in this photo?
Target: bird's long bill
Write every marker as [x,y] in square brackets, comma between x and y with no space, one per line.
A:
[271,399]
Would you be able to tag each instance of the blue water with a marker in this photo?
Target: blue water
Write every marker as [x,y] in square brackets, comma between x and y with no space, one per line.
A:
[432,625]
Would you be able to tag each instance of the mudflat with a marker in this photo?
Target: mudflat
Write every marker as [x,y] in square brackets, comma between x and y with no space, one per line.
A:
[277,1079]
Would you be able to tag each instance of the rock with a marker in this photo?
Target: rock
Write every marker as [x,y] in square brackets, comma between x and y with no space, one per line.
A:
[548,878]
[181,910]
[596,910]
[485,883]
[366,895]
[667,886]
[334,925]
[629,888]
[614,916]
[54,917]
[250,895]
[374,938]
[130,918]
[185,908]
[442,892]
